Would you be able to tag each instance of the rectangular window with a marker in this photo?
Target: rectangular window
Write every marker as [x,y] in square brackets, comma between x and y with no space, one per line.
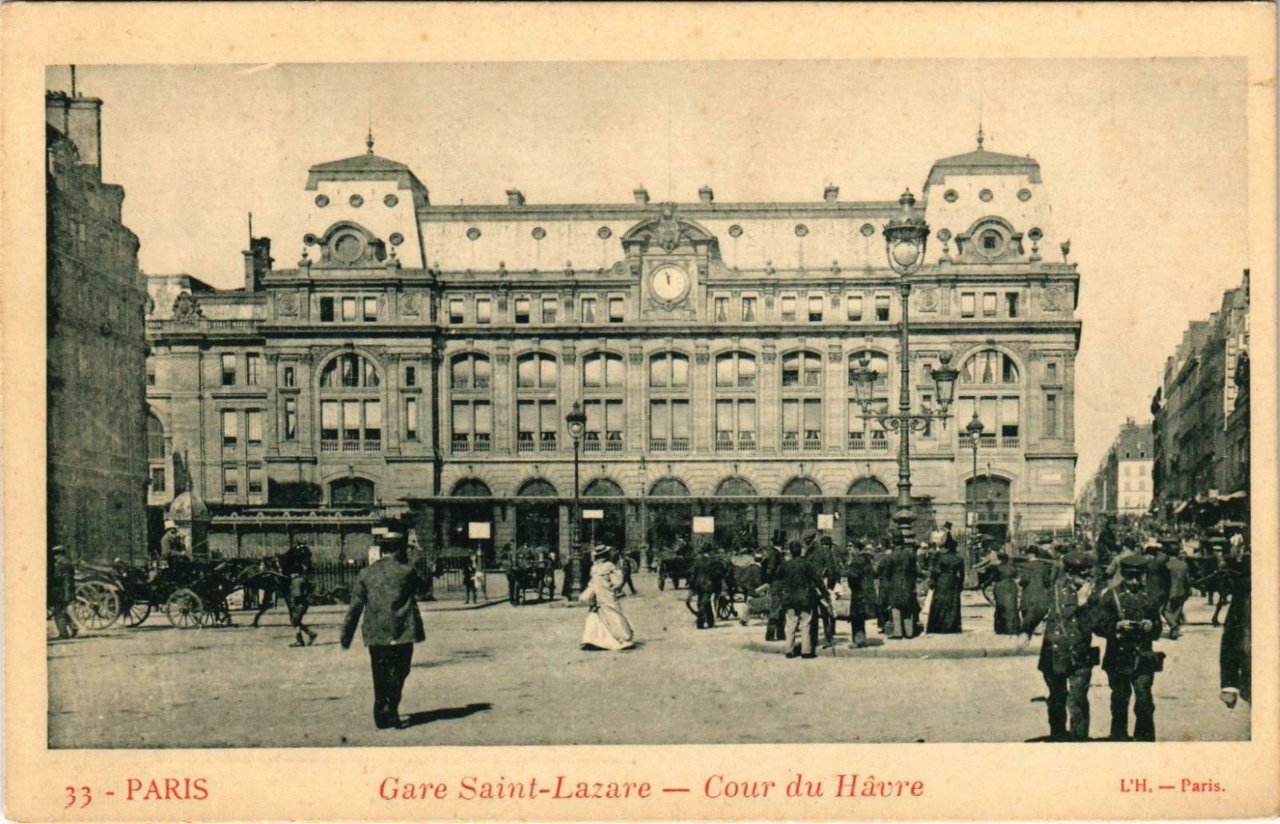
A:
[411,376]
[253,426]
[328,424]
[230,480]
[588,310]
[289,376]
[549,310]
[253,369]
[788,307]
[1009,423]
[370,310]
[522,310]
[255,480]
[151,374]
[853,307]
[290,419]
[230,428]
[349,309]
[617,311]
[372,424]
[326,310]
[1011,304]
[722,310]
[350,424]
[815,308]
[411,419]
[1051,372]
[748,310]
[228,370]
[455,310]
[1051,416]
[157,479]
[967,305]
[882,307]
[988,304]
[484,310]
[791,424]
[659,424]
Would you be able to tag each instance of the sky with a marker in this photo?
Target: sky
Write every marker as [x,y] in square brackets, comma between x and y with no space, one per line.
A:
[1144,160]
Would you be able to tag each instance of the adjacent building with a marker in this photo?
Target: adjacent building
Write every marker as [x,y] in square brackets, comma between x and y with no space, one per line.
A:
[1201,410]
[419,360]
[1122,484]
[97,445]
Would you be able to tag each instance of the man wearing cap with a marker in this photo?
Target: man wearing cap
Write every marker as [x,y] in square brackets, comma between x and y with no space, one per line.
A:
[1066,657]
[705,581]
[171,540]
[61,582]
[384,594]
[1129,618]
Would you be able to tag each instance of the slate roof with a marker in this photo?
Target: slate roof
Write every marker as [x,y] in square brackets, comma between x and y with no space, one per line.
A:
[982,162]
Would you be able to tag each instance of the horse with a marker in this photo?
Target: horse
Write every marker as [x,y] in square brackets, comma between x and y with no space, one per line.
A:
[273,576]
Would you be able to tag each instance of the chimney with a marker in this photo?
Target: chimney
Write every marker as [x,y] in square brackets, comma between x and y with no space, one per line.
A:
[79,119]
[515,197]
[706,195]
[830,193]
[641,195]
[257,262]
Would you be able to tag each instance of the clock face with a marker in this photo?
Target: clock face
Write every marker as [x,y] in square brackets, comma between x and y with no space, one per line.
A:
[669,283]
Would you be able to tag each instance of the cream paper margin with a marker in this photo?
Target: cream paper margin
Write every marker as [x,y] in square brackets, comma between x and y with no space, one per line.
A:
[962,781]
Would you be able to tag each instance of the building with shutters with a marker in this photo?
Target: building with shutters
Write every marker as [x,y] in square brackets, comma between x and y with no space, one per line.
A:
[420,359]
[1122,484]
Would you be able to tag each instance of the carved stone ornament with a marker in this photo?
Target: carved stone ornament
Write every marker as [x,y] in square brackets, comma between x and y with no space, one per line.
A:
[667,233]
[637,357]
[835,354]
[187,308]
[289,304]
[410,304]
[702,356]
[929,300]
[769,356]
[503,358]
[1053,299]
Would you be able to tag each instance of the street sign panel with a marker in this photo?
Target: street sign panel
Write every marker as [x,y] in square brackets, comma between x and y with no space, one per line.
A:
[478,530]
[704,525]
[593,514]
[826,521]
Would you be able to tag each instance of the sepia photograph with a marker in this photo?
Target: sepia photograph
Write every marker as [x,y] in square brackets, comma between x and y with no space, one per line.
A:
[707,402]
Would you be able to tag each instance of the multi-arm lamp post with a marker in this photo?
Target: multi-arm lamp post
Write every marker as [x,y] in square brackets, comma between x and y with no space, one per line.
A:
[577,423]
[974,431]
[906,237]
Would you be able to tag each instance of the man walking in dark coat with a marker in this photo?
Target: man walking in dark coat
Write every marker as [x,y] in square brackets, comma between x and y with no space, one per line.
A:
[1179,591]
[705,581]
[1066,656]
[384,594]
[948,581]
[1037,579]
[1129,618]
[771,571]
[901,578]
[801,586]
[1005,591]
[862,595]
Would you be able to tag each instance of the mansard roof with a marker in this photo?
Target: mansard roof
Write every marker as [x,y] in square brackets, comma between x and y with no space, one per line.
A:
[982,162]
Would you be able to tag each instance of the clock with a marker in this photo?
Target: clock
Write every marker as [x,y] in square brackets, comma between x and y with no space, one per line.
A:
[669,284]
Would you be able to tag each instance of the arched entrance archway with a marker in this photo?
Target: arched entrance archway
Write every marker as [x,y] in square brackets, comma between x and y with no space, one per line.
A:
[537,519]
[669,520]
[987,501]
[472,504]
[612,529]
[351,492]
[799,511]
[736,524]
[868,511]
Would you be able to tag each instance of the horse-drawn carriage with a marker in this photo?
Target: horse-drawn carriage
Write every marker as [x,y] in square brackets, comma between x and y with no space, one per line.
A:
[674,567]
[526,574]
[190,592]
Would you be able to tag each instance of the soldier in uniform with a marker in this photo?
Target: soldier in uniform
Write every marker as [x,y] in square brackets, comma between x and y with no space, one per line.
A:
[1129,618]
[705,581]
[1066,657]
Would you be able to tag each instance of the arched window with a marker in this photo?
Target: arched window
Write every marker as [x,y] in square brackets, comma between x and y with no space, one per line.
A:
[537,414]
[669,418]
[736,407]
[351,492]
[602,384]
[155,439]
[470,406]
[349,371]
[802,401]
[866,434]
[989,366]
[350,405]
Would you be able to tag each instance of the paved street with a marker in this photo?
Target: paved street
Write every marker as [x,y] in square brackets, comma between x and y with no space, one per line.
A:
[504,675]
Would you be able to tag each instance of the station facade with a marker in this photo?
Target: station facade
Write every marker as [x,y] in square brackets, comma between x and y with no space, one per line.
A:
[420,359]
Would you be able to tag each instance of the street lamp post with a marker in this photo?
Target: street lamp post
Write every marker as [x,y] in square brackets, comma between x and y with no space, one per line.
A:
[906,237]
[974,431]
[577,423]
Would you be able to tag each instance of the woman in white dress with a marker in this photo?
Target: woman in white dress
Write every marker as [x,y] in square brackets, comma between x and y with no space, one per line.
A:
[607,627]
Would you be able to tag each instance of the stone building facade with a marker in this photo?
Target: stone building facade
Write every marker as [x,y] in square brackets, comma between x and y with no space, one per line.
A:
[421,359]
[1122,484]
[96,345]
[1201,413]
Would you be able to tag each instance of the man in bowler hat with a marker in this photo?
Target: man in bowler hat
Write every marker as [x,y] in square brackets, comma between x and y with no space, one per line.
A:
[384,593]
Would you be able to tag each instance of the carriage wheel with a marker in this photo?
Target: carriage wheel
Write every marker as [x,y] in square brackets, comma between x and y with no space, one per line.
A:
[989,592]
[724,607]
[690,603]
[97,606]
[184,609]
[135,614]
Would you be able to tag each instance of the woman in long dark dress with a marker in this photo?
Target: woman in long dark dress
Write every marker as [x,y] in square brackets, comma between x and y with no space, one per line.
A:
[1006,595]
[948,580]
